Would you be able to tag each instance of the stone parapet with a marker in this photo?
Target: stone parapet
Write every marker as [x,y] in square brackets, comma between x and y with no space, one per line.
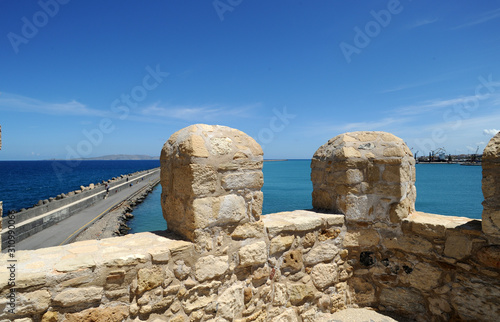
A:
[248,275]
[439,268]
[491,187]
[367,176]
[211,177]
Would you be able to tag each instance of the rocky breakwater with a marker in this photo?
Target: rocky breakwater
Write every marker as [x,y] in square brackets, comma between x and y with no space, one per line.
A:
[49,212]
[115,222]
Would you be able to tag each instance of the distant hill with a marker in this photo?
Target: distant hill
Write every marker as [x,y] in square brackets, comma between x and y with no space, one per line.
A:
[122,157]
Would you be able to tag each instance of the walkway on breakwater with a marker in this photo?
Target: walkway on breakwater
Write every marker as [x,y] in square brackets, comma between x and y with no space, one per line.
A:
[66,230]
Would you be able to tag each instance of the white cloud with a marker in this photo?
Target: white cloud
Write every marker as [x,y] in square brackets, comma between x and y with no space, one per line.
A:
[372,125]
[423,22]
[472,149]
[390,124]
[490,132]
[484,17]
[20,103]
[439,104]
[194,113]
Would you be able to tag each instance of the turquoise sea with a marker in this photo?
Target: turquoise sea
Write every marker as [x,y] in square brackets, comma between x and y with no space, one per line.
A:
[445,189]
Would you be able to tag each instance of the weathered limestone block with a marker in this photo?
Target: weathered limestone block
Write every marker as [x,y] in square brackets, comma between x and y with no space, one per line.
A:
[253,254]
[50,316]
[475,300]
[491,187]
[299,221]
[402,299]
[363,292]
[28,303]
[78,297]
[280,243]
[249,230]
[181,270]
[280,294]
[298,294]
[293,260]
[209,267]
[324,275]
[458,246]
[288,315]
[149,278]
[423,276]
[322,252]
[200,296]
[231,302]
[117,313]
[211,175]
[489,256]
[363,238]
[367,176]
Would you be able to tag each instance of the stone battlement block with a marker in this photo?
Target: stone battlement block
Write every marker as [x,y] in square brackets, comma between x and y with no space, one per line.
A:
[367,176]
[211,176]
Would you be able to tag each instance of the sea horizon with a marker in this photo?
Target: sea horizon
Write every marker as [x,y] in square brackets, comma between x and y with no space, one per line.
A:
[287,184]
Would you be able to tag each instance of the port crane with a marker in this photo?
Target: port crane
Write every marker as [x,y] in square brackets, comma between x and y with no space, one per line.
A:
[433,153]
[474,156]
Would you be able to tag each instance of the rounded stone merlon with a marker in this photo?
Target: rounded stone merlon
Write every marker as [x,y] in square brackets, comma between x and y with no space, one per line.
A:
[366,176]
[491,187]
[211,175]
[492,149]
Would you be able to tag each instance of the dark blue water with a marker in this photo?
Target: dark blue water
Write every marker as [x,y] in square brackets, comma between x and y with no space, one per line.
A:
[23,183]
[441,188]
[445,189]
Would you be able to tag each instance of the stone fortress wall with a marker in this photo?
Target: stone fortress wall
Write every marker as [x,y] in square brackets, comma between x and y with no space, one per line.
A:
[363,244]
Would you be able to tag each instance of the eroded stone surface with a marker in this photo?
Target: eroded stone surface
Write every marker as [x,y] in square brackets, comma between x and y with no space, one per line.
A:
[368,176]
[253,254]
[211,175]
[491,187]
[209,267]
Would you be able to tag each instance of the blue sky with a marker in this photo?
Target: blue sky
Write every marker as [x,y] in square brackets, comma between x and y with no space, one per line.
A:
[90,78]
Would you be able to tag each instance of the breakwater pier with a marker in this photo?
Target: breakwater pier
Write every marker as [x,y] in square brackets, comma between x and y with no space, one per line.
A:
[58,221]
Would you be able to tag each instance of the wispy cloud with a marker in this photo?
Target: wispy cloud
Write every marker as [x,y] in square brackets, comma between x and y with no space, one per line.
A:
[413,85]
[436,79]
[423,22]
[194,113]
[372,125]
[385,124]
[490,132]
[18,103]
[436,104]
[484,17]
